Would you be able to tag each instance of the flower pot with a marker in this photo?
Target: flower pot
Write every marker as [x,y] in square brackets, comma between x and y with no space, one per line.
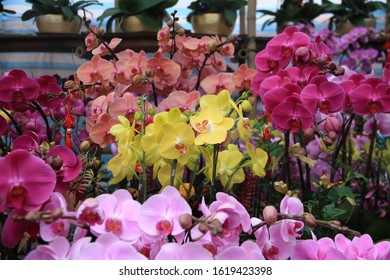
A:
[57,24]
[135,24]
[345,27]
[211,23]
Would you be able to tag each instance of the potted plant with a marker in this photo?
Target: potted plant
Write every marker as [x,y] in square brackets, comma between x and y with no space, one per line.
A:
[5,11]
[57,16]
[292,12]
[351,13]
[214,16]
[137,15]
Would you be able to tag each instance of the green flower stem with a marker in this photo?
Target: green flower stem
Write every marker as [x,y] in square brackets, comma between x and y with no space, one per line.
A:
[173,172]
[142,187]
[194,172]
[214,171]
[242,164]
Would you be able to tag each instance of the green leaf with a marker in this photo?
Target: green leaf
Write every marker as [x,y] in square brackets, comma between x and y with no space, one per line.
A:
[29,14]
[152,21]
[358,175]
[230,16]
[68,14]
[331,212]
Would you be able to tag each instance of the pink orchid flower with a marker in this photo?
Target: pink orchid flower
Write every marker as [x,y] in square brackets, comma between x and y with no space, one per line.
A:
[371,97]
[180,99]
[159,215]
[26,181]
[91,41]
[242,77]
[292,115]
[311,249]
[121,214]
[186,251]
[90,212]
[29,141]
[102,50]
[163,69]
[265,63]
[193,47]
[100,132]
[17,87]
[322,95]
[247,251]
[383,124]
[99,106]
[214,83]
[59,227]
[96,70]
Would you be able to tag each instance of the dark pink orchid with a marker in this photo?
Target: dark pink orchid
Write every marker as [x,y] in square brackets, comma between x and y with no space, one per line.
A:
[292,115]
[383,124]
[282,47]
[49,92]
[29,141]
[13,231]
[322,95]
[69,169]
[265,63]
[371,97]
[17,87]
[26,181]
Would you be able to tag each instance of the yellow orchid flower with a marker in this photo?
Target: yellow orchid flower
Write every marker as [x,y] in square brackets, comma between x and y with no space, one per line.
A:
[259,159]
[208,169]
[123,164]
[228,161]
[149,144]
[211,125]
[176,141]
[123,129]
[222,101]
[164,175]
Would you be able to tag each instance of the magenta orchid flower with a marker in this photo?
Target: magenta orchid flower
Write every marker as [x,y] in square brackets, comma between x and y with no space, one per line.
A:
[26,181]
[292,115]
[383,124]
[371,97]
[49,96]
[17,87]
[13,231]
[68,170]
[29,141]
[159,215]
[322,95]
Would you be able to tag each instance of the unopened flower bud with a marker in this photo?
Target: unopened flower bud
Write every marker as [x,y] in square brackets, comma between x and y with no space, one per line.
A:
[148,72]
[252,99]
[302,54]
[308,134]
[57,213]
[85,146]
[332,124]
[185,221]
[203,228]
[332,135]
[215,227]
[332,66]
[328,142]
[69,84]
[57,163]
[211,45]
[310,221]
[322,60]
[170,22]
[151,112]
[137,116]
[270,214]
[337,223]
[246,106]
[97,164]
[137,79]
[181,32]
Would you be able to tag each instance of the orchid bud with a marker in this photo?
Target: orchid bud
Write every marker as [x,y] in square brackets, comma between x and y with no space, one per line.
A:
[137,79]
[69,84]
[85,146]
[211,45]
[181,32]
[328,142]
[57,163]
[185,221]
[337,223]
[310,221]
[216,227]
[332,124]
[302,54]
[148,72]
[270,214]
[308,134]
[170,22]
[203,228]
[151,112]
[322,60]
[137,116]
[332,135]
[246,106]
